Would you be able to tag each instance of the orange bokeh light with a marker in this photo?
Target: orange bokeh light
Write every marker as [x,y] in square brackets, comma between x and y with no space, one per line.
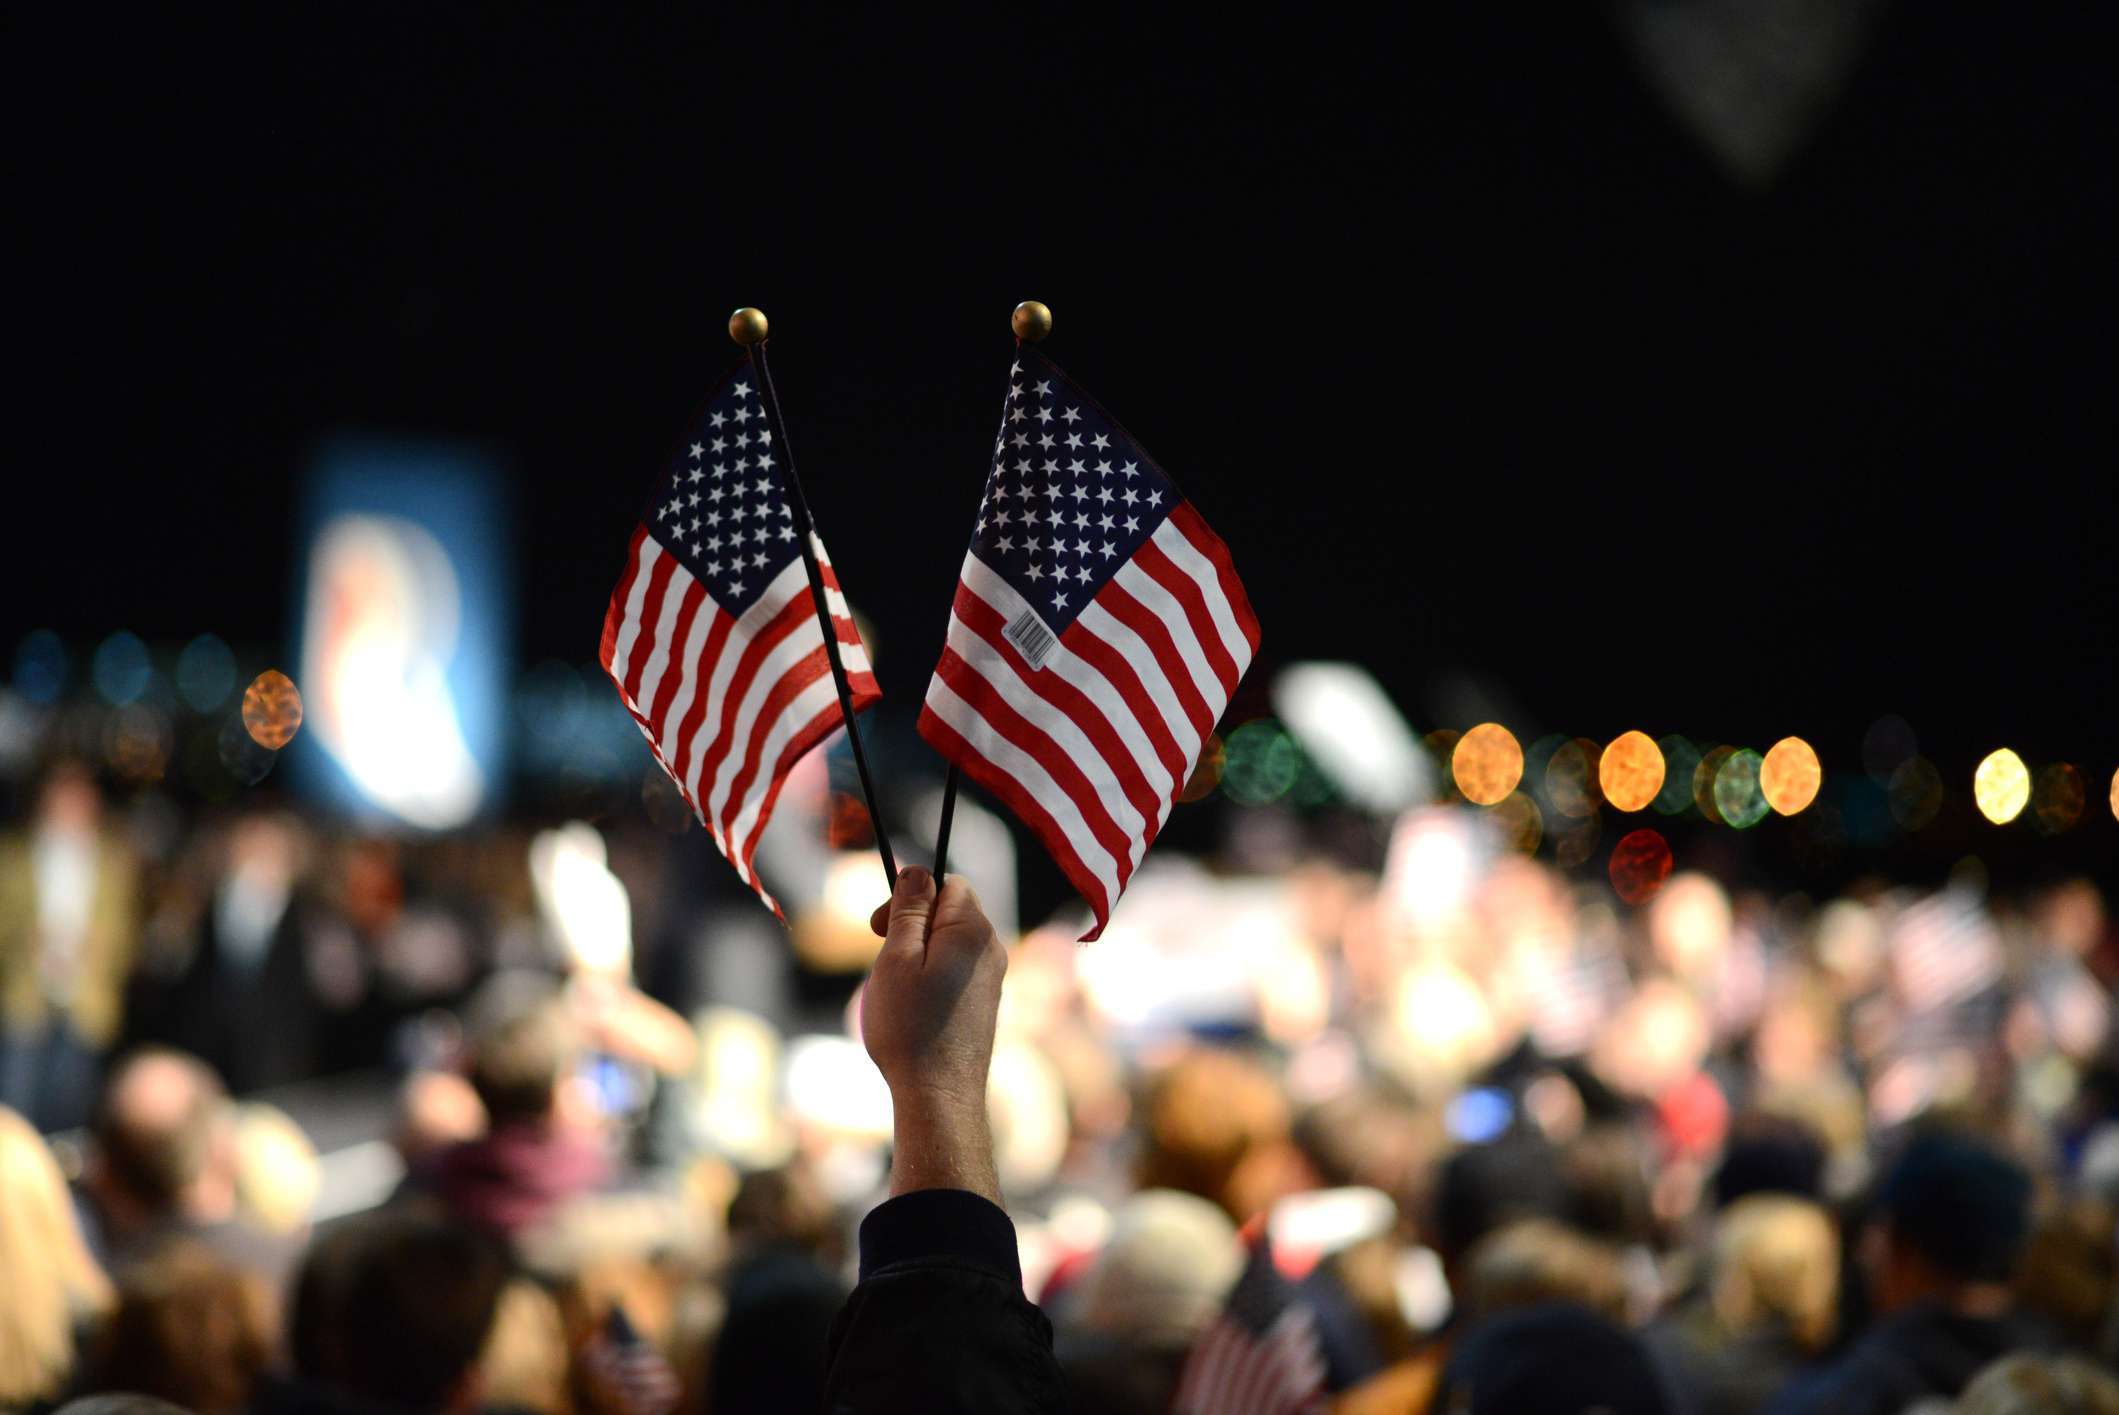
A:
[1487,763]
[1790,775]
[1631,771]
[272,710]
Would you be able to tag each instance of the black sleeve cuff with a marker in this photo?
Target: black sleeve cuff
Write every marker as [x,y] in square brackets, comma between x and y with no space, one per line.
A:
[950,1224]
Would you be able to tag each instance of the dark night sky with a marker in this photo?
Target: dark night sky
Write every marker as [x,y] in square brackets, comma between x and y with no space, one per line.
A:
[1482,367]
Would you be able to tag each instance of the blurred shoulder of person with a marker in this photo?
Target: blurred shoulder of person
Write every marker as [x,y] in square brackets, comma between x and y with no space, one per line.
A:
[1553,1358]
[190,1329]
[69,933]
[1770,1305]
[52,1293]
[164,1165]
[2040,1385]
[1953,1218]
[539,1148]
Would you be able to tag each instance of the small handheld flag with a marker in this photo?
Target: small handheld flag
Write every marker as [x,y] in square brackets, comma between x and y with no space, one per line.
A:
[714,634]
[1098,632]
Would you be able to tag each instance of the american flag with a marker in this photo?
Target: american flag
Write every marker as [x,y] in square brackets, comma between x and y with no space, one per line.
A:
[1261,1356]
[712,636]
[1099,630]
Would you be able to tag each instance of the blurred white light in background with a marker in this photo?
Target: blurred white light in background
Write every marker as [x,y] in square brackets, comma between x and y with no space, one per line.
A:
[381,628]
[580,900]
[831,1083]
[1436,856]
[1350,729]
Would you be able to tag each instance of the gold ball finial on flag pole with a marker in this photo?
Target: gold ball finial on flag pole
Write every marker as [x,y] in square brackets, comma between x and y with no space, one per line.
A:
[1031,321]
[747,326]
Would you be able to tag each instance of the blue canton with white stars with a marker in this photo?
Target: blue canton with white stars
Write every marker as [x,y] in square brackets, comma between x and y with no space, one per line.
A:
[1071,497]
[721,509]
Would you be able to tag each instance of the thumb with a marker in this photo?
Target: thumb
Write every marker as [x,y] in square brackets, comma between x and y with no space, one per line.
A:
[911,911]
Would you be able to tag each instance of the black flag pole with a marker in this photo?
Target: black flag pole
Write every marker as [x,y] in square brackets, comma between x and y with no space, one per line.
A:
[748,327]
[1031,322]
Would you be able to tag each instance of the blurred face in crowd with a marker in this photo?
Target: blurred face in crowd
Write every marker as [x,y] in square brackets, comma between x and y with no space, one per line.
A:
[69,804]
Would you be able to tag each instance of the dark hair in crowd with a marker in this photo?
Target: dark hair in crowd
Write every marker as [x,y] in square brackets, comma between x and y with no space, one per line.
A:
[1960,1205]
[152,1158]
[397,1309]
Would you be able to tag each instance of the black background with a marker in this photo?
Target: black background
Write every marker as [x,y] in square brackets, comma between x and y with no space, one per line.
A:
[1490,377]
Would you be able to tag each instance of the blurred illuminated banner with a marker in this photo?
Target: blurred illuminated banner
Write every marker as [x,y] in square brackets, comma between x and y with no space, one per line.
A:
[405,624]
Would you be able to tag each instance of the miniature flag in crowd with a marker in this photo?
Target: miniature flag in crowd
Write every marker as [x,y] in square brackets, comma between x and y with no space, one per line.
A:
[1261,1356]
[1099,630]
[712,635]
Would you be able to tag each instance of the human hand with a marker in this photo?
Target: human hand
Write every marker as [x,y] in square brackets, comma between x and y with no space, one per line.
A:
[928,1014]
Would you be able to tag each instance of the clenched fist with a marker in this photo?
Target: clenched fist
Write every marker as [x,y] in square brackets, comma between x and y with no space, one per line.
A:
[927,1015]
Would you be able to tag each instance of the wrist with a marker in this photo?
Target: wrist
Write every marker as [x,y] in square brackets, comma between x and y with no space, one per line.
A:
[941,1140]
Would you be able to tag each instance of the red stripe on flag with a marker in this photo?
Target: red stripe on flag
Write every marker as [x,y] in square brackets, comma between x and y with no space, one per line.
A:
[818,728]
[694,596]
[799,675]
[1033,741]
[650,612]
[1195,529]
[614,614]
[687,730]
[1133,693]
[1120,604]
[1069,701]
[946,740]
[1185,590]
[777,628]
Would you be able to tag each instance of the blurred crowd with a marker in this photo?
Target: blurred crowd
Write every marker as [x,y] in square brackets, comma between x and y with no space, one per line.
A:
[303,1118]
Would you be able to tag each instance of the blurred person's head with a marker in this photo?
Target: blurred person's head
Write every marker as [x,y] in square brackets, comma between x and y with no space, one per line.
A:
[2040,1385]
[396,1310]
[1776,1267]
[1953,1217]
[1537,1260]
[1555,1359]
[2070,1269]
[435,1109]
[1216,1122]
[786,1207]
[1484,1187]
[164,1141]
[190,1329]
[523,1047]
[1769,1154]
[1162,1274]
[1606,1169]
[277,1176]
[771,1351]
[51,1283]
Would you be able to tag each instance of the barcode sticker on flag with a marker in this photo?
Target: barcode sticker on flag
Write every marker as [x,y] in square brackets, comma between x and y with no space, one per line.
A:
[1031,638]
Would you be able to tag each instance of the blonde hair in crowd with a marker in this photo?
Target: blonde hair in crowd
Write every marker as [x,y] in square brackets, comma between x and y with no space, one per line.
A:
[1776,1260]
[51,1282]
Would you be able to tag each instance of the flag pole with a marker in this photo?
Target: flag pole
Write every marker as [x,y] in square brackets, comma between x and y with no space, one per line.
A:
[747,327]
[1031,321]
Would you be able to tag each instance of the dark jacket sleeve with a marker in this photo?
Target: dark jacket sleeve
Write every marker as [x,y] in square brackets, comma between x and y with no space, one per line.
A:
[939,1323]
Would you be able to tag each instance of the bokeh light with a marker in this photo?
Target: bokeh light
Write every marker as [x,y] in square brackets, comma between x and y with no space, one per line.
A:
[137,743]
[272,710]
[1736,790]
[121,669]
[2115,795]
[1631,771]
[1571,779]
[40,667]
[1441,744]
[1487,763]
[1574,841]
[1680,760]
[1640,862]
[1703,783]
[1260,761]
[1521,824]
[205,673]
[1790,775]
[1213,757]
[1916,793]
[2057,798]
[2001,786]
